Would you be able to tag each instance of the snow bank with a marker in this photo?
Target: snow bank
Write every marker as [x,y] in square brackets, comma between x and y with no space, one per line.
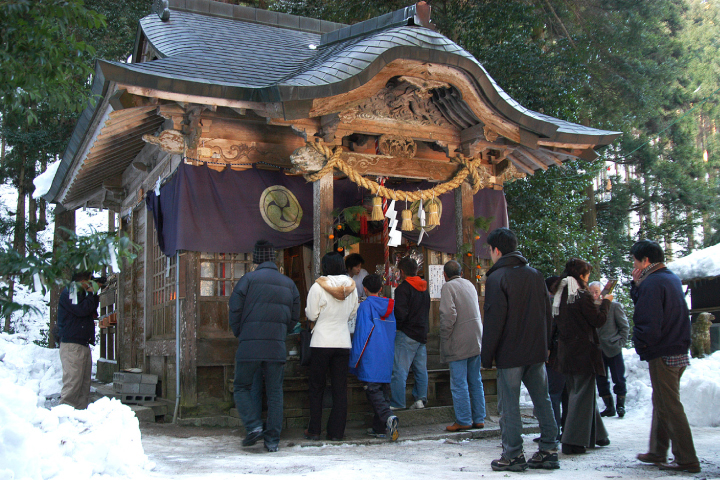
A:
[699,389]
[36,443]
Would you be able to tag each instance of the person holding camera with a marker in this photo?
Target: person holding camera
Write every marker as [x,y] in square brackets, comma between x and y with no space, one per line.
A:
[77,311]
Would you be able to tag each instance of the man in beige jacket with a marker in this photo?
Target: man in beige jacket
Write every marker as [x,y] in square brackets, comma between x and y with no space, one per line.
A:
[460,341]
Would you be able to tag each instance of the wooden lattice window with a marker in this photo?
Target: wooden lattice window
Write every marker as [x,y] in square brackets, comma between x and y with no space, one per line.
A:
[163,292]
[219,272]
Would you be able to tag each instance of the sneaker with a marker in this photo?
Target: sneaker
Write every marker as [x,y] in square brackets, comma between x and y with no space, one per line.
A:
[396,408]
[271,448]
[417,404]
[478,425]
[392,427]
[252,437]
[517,464]
[373,433]
[544,459]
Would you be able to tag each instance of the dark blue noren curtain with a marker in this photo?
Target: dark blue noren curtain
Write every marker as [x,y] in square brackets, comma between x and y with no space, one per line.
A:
[203,210]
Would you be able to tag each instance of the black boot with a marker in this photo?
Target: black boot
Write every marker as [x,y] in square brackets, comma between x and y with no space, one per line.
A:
[609,408]
[621,406]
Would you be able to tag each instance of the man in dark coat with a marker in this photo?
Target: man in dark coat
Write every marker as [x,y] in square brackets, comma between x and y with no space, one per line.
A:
[412,312]
[517,336]
[264,306]
[77,310]
[662,338]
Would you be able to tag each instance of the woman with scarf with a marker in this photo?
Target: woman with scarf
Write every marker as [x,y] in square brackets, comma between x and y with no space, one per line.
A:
[579,358]
[332,304]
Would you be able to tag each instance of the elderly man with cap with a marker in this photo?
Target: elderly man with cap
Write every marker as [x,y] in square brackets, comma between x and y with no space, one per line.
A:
[264,306]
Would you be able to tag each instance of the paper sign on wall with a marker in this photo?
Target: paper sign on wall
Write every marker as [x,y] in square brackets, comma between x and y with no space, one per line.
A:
[435,281]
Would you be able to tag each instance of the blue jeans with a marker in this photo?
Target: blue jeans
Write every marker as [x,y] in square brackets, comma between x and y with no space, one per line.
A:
[248,397]
[408,354]
[467,391]
[508,384]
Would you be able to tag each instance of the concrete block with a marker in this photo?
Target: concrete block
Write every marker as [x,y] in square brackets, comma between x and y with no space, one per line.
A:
[127,377]
[143,414]
[105,370]
[149,378]
[139,388]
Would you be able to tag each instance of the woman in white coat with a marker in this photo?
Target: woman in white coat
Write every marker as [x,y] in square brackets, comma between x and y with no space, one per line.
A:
[332,304]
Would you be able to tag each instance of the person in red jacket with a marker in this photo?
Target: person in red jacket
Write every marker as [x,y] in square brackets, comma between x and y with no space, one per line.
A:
[412,311]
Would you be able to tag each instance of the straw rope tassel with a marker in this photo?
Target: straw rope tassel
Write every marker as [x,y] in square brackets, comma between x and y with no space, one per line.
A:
[433,216]
[377,213]
[406,216]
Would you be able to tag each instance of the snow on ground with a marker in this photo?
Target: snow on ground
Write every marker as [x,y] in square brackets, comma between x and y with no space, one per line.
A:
[105,442]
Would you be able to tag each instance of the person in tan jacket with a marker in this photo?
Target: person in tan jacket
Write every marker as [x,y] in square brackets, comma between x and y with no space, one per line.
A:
[460,342]
[332,305]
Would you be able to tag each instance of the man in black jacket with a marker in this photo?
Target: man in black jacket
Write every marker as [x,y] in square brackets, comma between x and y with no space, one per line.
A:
[412,311]
[264,306]
[517,336]
[77,310]
[661,335]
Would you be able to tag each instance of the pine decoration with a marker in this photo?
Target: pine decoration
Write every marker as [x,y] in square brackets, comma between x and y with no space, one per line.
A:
[377,213]
[406,216]
[433,217]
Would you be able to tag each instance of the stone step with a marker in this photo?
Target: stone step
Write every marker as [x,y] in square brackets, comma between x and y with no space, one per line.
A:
[143,413]
[425,416]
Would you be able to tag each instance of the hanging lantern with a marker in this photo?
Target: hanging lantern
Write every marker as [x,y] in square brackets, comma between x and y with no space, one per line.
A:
[377,213]
[406,216]
[433,216]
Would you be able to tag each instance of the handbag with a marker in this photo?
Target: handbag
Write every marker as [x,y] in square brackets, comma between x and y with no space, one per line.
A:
[305,337]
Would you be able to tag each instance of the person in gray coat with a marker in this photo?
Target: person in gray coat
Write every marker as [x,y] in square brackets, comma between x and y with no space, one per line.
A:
[264,307]
[613,337]
[460,342]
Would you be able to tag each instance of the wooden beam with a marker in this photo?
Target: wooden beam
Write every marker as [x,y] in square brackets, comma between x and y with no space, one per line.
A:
[322,219]
[548,156]
[188,332]
[385,165]
[531,158]
[520,165]
[464,222]
[270,109]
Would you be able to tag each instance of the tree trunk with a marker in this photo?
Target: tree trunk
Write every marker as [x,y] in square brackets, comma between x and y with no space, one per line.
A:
[63,218]
[19,241]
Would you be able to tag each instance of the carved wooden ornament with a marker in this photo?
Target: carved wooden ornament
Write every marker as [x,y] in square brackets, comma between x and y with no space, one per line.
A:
[169,140]
[397,146]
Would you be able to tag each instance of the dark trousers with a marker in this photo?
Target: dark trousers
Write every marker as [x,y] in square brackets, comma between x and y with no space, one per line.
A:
[322,361]
[616,365]
[378,394]
[558,396]
[669,421]
[248,397]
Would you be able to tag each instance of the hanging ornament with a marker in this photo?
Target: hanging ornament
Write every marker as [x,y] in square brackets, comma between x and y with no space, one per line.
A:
[363,224]
[406,216]
[433,216]
[377,213]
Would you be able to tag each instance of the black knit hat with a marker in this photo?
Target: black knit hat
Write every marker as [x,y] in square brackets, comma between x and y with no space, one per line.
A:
[264,252]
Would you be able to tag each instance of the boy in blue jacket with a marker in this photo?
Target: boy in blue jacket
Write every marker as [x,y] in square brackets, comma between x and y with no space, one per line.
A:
[373,353]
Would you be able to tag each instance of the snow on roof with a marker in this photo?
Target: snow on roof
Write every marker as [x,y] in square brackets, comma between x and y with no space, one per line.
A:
[43,181]
[703,263]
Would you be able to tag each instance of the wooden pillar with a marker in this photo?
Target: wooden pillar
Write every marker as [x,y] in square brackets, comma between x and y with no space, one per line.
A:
[63,218]
[464,226]
[188,330]
[124,305]
[322,219]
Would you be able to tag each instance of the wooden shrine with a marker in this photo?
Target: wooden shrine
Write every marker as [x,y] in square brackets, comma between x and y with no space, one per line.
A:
[221,86]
